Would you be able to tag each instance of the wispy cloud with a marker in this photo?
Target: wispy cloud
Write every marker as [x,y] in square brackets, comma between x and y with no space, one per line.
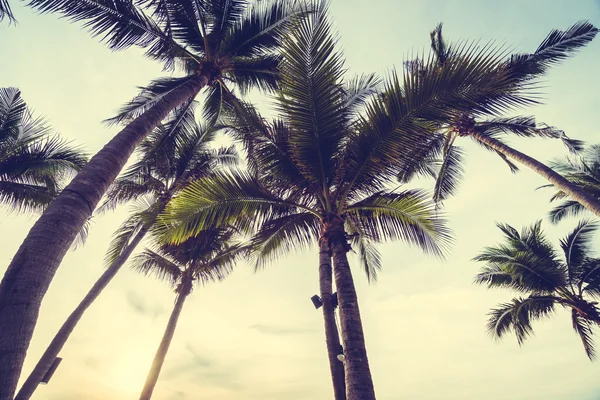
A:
[142,306]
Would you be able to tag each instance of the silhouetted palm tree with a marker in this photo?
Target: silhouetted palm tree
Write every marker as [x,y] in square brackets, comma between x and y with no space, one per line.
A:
[527,263]
[175,154]
[219,45]
[34,165]
[207,257]
[488,132]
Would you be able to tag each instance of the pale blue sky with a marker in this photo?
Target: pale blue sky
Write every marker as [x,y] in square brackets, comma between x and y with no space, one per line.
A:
[256,336]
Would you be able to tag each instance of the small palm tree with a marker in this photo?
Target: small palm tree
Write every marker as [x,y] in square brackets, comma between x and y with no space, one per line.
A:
[582,171]
[218,45]
[33,165]
[207,257]
[169,159]
[488,132]
[528,263]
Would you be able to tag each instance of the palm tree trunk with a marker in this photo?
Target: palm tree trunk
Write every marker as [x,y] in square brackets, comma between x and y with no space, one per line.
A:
[331,332]
[61,337]
[561,183]
[29,274]
[359,383]
[161,353]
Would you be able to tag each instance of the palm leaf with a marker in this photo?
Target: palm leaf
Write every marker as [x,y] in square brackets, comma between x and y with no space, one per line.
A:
[151,263]
[407,216]
[518,315]
[576,246]
[583,328]
[450,173]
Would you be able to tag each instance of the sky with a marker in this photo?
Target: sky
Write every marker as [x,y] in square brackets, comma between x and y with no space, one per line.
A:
[256,335]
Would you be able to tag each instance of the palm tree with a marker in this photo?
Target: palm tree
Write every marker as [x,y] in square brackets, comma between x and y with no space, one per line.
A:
[584,172]
[33,164]
[207,257]
[218,44]
[321,171]
[176,153]
[557,46]
[528,264]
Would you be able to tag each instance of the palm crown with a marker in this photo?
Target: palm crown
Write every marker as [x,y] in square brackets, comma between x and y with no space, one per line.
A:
[176,153]
[229,42]
[34,166]
[448,170]
[528,263]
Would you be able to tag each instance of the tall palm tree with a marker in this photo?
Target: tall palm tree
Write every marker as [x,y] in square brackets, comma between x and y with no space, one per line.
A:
[527,263]
[176,153]
[488,132]
[583,171]
[219,45]
[207,257]
[321,170]
[33,164]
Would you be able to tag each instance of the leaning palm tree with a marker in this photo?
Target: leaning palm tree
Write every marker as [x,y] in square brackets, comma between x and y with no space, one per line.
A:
[206,257]
[218,45]
[176,153]
[528,264]
[488,132]
[33,165]
[583,171]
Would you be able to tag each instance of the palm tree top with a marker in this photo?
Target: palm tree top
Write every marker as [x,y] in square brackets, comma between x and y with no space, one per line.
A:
[34,163]
[528,263]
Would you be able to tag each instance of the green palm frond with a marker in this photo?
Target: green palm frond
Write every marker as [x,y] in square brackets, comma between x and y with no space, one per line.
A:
[577,246]
[12,109]
[518,315]
[82,236]
[583,328]
[312,97]
[359,90]
[256,72]
[224,198]
[281,235]
[409,216]
[589,281]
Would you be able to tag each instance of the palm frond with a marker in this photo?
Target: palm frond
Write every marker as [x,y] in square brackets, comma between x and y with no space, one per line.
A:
[359,90]
[224,198]
[577,246]
[518,315]
[151,263]
[281,235]
[147,98]
[312,98]
[6,12]
[407,215]
[368,254]
[123,237]
[583,328]
[260,72]
[450,173]
[23,197]
[568,208]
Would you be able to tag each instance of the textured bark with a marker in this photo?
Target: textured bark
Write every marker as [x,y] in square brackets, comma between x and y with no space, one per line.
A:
[331,332]
[35,263]
[573,191]
[61,337]
[161,353]
[359,383]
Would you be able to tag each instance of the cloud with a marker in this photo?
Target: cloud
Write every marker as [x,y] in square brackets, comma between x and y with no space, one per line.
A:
[279,330]
[141,306]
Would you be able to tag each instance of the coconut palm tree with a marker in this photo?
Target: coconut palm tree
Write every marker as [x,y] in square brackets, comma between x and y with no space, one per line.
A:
[488,132]
[219,45]
[527,263]
[33,164]
[321,171]
[583,171]
[176,153]
[206,257]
